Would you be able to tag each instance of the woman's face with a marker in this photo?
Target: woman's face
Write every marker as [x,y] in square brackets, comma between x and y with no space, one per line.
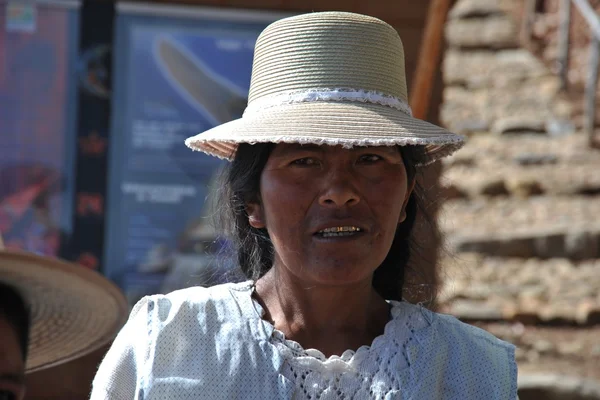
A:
[12,365]
[331,212]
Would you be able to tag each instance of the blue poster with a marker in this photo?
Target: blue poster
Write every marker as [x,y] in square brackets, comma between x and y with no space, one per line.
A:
[175,76]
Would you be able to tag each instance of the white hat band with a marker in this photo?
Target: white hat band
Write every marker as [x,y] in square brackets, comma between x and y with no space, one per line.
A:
[315,95]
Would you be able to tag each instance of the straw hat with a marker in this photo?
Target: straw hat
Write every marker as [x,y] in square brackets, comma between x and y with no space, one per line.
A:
[74,310]
[332,78]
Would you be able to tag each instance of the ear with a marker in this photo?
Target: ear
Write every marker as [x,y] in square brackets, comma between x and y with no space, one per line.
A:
[255,215]
[411,187]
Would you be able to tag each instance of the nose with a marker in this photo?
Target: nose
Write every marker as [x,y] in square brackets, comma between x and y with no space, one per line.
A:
[339,189]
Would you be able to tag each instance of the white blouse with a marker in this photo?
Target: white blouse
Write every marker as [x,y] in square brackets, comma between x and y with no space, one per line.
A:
[213,343]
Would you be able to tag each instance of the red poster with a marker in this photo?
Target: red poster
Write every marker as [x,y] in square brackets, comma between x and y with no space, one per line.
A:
[36,145]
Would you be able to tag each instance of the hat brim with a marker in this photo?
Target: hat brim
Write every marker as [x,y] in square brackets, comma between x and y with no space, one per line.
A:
[347,124]
[74,310]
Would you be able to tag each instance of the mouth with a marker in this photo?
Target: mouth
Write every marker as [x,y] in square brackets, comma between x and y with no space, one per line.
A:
[339,231]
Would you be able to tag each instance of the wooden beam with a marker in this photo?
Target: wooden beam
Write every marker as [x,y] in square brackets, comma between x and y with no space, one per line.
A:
[590,91]
[527,22]
[429,57]
[590,15]
[564,27]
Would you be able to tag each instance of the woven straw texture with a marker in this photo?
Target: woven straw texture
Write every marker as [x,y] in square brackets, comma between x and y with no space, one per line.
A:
[74,310]
[328,51]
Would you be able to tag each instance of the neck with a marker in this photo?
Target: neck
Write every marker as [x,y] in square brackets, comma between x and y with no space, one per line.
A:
[330,318]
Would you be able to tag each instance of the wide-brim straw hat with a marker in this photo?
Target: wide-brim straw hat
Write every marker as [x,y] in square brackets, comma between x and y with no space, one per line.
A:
[74,310]
[333,78]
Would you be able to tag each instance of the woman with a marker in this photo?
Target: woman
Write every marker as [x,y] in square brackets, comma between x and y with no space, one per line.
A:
[321,201]
[14,331]
[52,313]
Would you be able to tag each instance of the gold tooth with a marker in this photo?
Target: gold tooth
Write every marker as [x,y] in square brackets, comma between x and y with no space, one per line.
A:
[338,229]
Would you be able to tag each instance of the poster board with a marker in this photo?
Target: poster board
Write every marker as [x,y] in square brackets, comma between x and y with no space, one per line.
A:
[38,56]
[177,71]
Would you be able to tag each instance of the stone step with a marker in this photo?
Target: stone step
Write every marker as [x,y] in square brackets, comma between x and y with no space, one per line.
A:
[487,149]
[571,243]
[506,217]
[557,387]
[510,180]
[464,9]
[551,292]
[483,69]
[566,351]
[494,32]
[522,167]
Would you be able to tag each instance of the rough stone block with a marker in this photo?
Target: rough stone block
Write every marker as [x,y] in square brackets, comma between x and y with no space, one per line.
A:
[482,68]
[462,110]
[524,187]
[451,192]
[526,316]
[475,8]
[581,245]
[549,245]
[588,313]
[588,188]
[494,187]
[557,315]
[493,32]
[528,159]
[557,387]
[470,310]
[519,103]
[502,246]
[519,123]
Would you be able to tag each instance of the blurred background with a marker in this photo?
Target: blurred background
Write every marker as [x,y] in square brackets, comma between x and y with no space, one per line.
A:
[96,98]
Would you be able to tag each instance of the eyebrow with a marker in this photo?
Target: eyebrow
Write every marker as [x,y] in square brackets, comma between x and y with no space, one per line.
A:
[295,147]
[387,149]
[19,379]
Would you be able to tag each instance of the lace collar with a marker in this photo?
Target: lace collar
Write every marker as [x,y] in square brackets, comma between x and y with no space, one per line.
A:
[405,320]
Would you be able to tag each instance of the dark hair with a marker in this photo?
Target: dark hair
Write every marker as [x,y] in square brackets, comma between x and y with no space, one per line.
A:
[241,185]
[15,310]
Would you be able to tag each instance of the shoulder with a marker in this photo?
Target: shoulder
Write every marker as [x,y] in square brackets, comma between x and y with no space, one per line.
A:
[451,333]
[168,335]
[457,331]
[467,359]
[201,295]
[199,303]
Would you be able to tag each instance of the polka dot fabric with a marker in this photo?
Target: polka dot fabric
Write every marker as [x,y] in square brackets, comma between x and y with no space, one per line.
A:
[212,343]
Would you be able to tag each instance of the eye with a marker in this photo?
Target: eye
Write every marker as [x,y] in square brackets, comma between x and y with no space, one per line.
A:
[369,158]
[305,162]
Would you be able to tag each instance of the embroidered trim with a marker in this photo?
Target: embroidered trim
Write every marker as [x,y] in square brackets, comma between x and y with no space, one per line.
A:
[350,360]
[448,144]
[337,94]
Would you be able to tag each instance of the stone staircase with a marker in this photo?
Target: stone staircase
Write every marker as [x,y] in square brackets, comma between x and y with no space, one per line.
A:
[522,215]
[523,260]
[525,238]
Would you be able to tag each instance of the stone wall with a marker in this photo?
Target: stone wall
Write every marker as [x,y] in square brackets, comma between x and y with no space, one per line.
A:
[493,84]
[523,196]
[544,38]
[543,43]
